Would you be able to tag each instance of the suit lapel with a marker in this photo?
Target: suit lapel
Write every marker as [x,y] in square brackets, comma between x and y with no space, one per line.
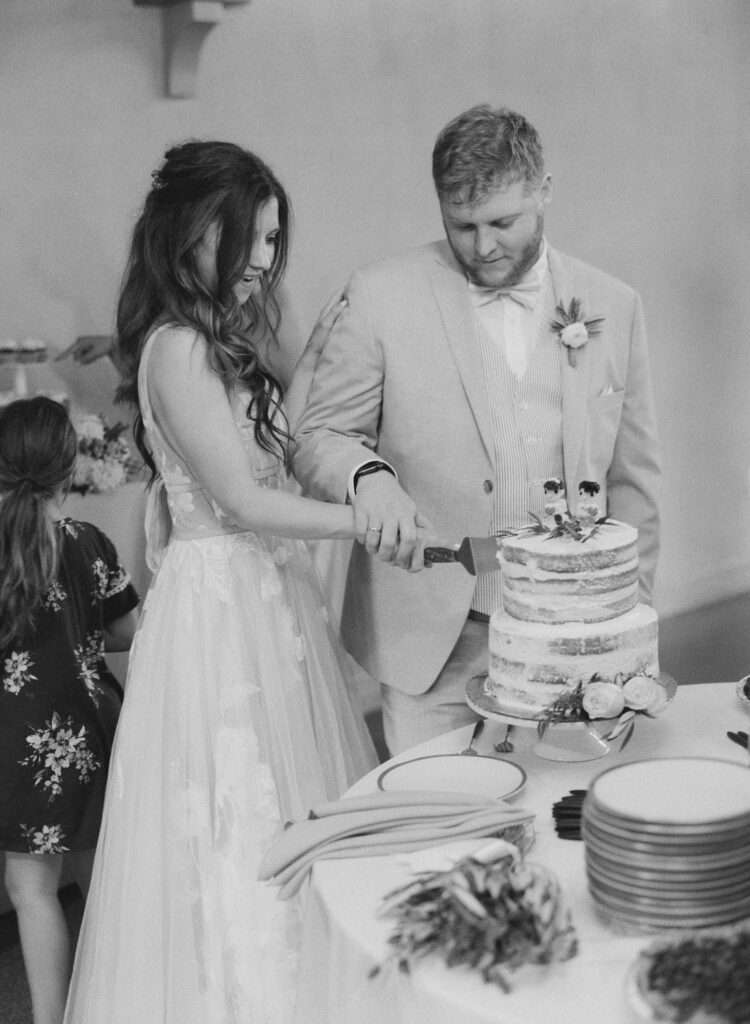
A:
[575,379]
[451,295]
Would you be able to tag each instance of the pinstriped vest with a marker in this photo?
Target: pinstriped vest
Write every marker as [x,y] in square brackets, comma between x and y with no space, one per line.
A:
[527,433]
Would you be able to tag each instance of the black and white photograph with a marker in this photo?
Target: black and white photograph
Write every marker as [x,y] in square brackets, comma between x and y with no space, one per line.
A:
[374,512]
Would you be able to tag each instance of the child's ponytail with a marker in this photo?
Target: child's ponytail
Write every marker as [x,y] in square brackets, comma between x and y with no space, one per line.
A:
[37,458]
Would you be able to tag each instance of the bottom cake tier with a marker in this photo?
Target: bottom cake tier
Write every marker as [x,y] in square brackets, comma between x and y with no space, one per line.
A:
[531,663]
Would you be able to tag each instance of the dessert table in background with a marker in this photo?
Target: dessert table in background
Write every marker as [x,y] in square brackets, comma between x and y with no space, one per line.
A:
[343,939]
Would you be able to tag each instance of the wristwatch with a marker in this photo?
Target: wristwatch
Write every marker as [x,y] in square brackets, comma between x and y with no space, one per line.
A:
[371,467]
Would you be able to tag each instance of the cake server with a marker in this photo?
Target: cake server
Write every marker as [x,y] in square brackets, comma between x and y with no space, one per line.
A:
[476,554]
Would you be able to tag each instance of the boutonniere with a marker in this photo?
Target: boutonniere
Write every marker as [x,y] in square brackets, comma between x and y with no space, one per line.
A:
[574,331]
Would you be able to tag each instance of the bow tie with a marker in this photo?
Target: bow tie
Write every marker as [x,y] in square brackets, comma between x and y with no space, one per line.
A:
[525,293]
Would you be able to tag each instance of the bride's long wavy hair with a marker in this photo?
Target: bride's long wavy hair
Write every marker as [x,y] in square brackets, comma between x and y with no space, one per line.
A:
[200,185]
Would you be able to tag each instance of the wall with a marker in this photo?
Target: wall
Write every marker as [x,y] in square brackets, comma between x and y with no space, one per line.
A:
[641,103]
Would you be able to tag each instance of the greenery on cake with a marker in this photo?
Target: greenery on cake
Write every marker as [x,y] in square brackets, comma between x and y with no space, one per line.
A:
[491,912]
[566,525]
[559,521]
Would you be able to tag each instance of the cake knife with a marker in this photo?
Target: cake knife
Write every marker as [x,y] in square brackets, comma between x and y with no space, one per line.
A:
[476,554]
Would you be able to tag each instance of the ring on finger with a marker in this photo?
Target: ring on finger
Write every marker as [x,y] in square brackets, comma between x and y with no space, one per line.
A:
[373,529]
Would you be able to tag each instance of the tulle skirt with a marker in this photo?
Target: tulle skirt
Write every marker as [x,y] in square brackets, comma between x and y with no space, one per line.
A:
[236,719]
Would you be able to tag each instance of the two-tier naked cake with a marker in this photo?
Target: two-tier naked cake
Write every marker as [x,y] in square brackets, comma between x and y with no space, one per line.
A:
[570,614]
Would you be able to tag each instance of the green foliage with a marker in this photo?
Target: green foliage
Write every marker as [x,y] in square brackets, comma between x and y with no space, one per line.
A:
[492,917]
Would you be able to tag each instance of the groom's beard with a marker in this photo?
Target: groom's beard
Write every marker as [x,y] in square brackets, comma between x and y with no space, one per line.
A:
[486,277]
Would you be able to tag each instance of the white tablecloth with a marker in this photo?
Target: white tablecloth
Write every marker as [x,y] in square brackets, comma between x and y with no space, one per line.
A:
[342,938]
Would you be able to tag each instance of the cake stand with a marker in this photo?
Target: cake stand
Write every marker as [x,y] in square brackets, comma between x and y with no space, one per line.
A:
[562,741]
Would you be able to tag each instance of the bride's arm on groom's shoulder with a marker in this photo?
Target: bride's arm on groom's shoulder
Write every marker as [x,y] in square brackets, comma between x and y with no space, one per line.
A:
[295,397]
[193,410]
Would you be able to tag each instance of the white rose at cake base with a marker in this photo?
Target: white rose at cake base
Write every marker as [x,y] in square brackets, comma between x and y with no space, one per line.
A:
[643,694]
[603,700]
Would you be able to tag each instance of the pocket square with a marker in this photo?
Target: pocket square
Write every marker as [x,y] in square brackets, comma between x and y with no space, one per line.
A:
[609,390]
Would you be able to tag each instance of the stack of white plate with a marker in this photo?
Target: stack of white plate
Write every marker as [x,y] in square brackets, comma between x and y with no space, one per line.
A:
[668,843]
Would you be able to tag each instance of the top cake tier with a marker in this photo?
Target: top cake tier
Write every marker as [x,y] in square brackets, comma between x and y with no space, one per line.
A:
[559,579]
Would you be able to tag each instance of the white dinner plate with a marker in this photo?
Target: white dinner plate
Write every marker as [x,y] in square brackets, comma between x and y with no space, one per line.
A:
[685,792]
[632,833]
[674,890]
[456,773]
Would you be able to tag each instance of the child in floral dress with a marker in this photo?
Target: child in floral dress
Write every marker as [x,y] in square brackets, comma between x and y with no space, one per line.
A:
[64,599]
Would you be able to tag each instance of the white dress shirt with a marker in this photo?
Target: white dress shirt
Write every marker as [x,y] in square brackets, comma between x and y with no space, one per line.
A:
[514,325]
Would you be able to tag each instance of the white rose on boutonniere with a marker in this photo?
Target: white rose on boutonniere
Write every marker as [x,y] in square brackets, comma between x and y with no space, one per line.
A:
[574,335]
[574,330]
[603,700]
[640,692]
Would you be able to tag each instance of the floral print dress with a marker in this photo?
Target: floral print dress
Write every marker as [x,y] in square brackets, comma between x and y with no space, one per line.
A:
[59,702]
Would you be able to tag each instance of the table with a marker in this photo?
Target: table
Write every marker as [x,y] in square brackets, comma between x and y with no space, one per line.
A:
[342,939]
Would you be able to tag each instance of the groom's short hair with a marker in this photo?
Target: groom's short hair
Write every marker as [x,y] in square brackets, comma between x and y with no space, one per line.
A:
[483,149]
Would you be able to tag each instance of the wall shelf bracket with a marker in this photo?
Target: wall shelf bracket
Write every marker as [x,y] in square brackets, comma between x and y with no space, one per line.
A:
[186,23]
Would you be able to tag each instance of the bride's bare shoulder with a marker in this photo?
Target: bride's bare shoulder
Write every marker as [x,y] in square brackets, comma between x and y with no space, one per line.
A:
[176,350]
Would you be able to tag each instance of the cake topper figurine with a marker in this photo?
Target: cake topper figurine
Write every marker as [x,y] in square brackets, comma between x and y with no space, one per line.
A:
[555,503]
[587,510]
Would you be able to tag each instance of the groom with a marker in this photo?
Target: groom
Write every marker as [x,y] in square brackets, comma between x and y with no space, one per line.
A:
[449,392]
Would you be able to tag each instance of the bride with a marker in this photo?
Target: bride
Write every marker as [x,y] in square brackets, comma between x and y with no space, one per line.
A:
[236,714]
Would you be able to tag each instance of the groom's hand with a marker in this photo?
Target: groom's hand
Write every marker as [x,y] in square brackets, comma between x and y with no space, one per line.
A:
[388,523]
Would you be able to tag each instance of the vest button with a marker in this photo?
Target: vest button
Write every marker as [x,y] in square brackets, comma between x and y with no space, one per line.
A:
[488,487]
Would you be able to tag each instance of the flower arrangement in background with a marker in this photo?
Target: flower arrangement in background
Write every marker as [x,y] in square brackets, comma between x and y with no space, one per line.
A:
[105,459]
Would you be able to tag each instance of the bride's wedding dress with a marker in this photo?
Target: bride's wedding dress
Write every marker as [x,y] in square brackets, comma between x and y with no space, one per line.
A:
[236,719]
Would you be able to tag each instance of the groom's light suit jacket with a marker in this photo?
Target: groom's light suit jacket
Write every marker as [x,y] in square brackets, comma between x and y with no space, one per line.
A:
[402,376]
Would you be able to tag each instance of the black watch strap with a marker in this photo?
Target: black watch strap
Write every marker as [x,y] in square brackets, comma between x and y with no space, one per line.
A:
[371,467]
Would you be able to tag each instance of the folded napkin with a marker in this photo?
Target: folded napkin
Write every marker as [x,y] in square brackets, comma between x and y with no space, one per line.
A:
[381,823]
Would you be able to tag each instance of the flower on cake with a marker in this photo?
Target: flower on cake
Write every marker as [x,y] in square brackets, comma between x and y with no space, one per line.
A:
[643,693]
[573,329]
[621,698]
[105,460]
[603,700]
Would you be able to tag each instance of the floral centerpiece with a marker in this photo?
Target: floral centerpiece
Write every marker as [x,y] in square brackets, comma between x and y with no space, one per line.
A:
[105,459]
[491,911]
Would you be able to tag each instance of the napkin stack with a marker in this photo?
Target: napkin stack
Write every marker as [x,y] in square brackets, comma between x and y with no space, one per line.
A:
[383,823]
